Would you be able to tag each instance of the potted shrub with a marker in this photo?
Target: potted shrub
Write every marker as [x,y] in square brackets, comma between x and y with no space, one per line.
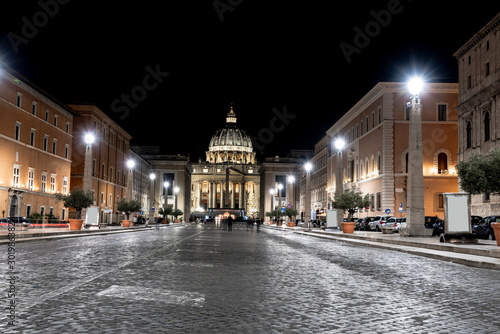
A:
[165,212]
[128,207]
[292,212]
[350,201]
[79,200]
[176,213]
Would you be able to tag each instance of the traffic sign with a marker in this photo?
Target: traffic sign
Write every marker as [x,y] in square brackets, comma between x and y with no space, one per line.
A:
[282,210]
[387,211]
[289,206]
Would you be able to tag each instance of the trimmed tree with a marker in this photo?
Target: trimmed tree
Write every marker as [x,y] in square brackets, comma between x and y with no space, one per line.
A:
[128,206]
[481,173]
[78,199]
[351,201]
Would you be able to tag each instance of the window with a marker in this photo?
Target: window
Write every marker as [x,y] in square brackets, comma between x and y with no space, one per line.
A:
[379,115]
[46,115]
[469,134]
[406,160]
[54,146]
[45,142]
[407,113]
[442,112]
[44,182]
[362,128]
[103,169]
[379,163]
[65,185]
[110,201]
[487,45]
[33,108]
[372,202]
[373,119]
[379,201]
[32,137]
[367,127]
[55,120]
[17,133]
[63,215]
[469,82]
[102,198]
[469,59]
[31,179]
[111,174]
[442,163]
[486,126]
[487,69]
[93,167]
[66,152]
[440,201]
[28,210]
[15,176]
[19,99]
[67,127]
[357,130]
[52,183]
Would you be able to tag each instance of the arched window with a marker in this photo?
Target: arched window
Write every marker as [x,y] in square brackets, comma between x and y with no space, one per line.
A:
[469,134]
[442,163]
[486,126]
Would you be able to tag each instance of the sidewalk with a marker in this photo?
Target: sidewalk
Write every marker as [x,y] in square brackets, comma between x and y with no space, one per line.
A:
[58,233]
[484,254]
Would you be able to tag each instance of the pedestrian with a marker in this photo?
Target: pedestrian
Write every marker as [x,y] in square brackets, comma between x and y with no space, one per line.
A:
[229,223]
[158,222]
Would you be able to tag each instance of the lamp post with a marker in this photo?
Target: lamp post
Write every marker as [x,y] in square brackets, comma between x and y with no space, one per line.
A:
[415,216]
[271,191]
[280,193]
[307,213]
[152,201]
[176,191]
[87,168]
[130,179]
[166,184]
[339,186]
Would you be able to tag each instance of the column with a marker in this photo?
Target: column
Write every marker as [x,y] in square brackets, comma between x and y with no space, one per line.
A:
[232,194]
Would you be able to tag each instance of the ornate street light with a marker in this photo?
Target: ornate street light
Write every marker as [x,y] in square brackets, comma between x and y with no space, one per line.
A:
[415,208]
[130,179]
[339,186]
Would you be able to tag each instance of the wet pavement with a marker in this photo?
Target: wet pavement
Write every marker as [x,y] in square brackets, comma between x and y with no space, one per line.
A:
[200,279]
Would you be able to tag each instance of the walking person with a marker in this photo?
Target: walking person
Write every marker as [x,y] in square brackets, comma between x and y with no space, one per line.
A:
[229,223]
[159,221]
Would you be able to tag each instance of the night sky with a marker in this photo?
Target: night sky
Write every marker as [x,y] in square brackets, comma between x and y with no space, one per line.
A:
[168,71]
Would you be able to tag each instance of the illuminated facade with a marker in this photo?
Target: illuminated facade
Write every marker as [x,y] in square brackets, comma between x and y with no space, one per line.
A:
[479,103]
[229,177]
[35,148]
[375,159]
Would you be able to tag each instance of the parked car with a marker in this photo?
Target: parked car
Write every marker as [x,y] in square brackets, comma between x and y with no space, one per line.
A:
[474,220]
[375,225]
[362,223]
[431,220]
[484,230]
[394,223]
[4,223]
[19,220]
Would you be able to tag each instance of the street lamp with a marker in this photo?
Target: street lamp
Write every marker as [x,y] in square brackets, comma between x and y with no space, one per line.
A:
[339,187]
[152,201]
[87,168]
[415,208]
[176,191]
[307,209]
[271,191]
[280,193]
[130,179]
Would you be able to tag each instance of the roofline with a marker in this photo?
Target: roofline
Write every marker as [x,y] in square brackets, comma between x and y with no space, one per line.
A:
[478,37]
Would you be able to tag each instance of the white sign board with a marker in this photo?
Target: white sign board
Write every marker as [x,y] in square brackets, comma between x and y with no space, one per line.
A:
[331,219]
[457,213]
[92,215]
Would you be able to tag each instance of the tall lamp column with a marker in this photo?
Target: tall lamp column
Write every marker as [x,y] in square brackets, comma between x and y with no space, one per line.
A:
[415,208]
[87,169]
[339,186]
[152,201]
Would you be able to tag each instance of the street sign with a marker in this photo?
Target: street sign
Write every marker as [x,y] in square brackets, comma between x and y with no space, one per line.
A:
[282,210]
[387,211]
[401,208]
[289,206]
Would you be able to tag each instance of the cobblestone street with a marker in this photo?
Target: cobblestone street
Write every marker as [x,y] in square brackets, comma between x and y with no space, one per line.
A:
[200,279]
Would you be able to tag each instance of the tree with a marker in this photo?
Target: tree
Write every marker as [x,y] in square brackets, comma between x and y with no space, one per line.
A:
[292,212]
[351,201]
[481,173]
[78,199]
[128,206]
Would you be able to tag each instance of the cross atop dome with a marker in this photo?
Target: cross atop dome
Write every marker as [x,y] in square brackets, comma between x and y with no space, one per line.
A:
[231,116]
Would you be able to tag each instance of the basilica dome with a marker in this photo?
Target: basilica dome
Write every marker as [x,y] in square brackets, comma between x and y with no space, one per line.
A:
[231,144]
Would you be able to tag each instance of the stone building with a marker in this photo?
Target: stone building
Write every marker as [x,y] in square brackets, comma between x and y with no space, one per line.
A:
[110,152]
[229,178]
[479,103]
[375,157]
[35,148]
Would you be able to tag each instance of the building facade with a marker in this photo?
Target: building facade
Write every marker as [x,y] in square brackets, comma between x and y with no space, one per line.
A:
[36,149]
[479,103]
[110,152]
[375,158]
[228,179]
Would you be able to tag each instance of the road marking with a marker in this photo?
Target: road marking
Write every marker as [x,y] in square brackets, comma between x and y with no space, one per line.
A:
[181,298]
